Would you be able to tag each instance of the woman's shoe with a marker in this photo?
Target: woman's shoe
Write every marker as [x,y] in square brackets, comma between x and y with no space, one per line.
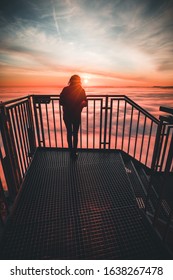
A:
[73,154]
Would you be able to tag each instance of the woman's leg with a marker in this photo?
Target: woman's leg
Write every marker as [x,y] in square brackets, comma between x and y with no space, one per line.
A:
[76,125]
[68,125]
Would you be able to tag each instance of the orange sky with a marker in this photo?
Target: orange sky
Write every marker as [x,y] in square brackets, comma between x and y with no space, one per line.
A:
[107,43]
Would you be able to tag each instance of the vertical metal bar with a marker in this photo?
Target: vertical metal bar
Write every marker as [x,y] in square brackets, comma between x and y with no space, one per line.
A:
[164,149]
[101,118]
[26,114]
[137,127]
[61,126]
[22,139]
[21,150]
[48,128]
[153,163]
[54,122]
[142,139]
[29,127]
[130,131]
[23,133]
[159,148]
[41,124]
[149,140]
[13,124]
[87,123]
[23,116]
[117,124]
[80,134]
[170,156]
[105,123]
[36,122]
[14,135]
[156,147]
[110,123]
[31,130]
[124,122]
[94,124]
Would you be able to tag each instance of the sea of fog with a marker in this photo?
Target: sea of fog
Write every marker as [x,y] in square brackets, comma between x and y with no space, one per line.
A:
[150,98]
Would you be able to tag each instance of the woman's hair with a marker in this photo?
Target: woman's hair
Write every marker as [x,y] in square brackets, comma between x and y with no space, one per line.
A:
[75,79]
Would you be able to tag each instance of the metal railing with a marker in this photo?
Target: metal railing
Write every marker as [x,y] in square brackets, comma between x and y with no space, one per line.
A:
[108,122]
[17,142]
[162,215]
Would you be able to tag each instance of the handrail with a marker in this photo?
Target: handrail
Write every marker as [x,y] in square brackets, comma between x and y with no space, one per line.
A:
[118,96]
[142,110]
[134,104]
[4,103]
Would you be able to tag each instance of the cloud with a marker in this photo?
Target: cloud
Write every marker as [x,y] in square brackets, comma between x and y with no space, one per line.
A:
[122,38]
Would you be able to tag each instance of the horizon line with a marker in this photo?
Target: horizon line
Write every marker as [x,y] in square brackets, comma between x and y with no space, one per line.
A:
[87,86]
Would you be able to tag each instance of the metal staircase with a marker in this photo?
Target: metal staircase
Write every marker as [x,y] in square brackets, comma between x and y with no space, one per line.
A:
[141,179]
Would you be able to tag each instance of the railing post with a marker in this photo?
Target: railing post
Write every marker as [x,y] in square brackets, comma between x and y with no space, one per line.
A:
[36,120]
[37,101]
[166,173]
[157,147]
[105,124]
[31,131]
[154,161]
[9,161]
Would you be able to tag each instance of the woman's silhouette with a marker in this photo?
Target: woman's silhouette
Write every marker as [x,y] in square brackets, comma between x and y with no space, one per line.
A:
[73,99]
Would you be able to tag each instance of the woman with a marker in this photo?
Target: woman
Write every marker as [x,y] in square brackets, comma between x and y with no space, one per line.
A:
[73,99]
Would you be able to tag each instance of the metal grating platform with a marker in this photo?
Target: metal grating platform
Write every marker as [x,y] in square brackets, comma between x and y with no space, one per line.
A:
[83,209]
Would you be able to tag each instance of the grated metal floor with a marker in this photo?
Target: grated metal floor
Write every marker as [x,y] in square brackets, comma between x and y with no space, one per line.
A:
[83,209]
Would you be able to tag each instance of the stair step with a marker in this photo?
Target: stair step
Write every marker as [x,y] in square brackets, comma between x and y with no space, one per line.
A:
[139,182]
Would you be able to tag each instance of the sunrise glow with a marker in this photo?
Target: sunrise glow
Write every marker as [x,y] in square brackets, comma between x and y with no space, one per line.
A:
[118,43]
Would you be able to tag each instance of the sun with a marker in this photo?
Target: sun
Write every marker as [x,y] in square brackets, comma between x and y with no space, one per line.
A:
[86,79]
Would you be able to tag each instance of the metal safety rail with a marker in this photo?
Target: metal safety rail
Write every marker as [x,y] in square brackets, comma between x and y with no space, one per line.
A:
[17,141]
[108,122]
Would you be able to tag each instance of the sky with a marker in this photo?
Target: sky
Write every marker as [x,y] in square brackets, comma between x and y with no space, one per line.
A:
[107,43]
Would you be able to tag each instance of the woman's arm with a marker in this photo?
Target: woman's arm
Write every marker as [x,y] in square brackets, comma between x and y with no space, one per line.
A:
[84,104]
